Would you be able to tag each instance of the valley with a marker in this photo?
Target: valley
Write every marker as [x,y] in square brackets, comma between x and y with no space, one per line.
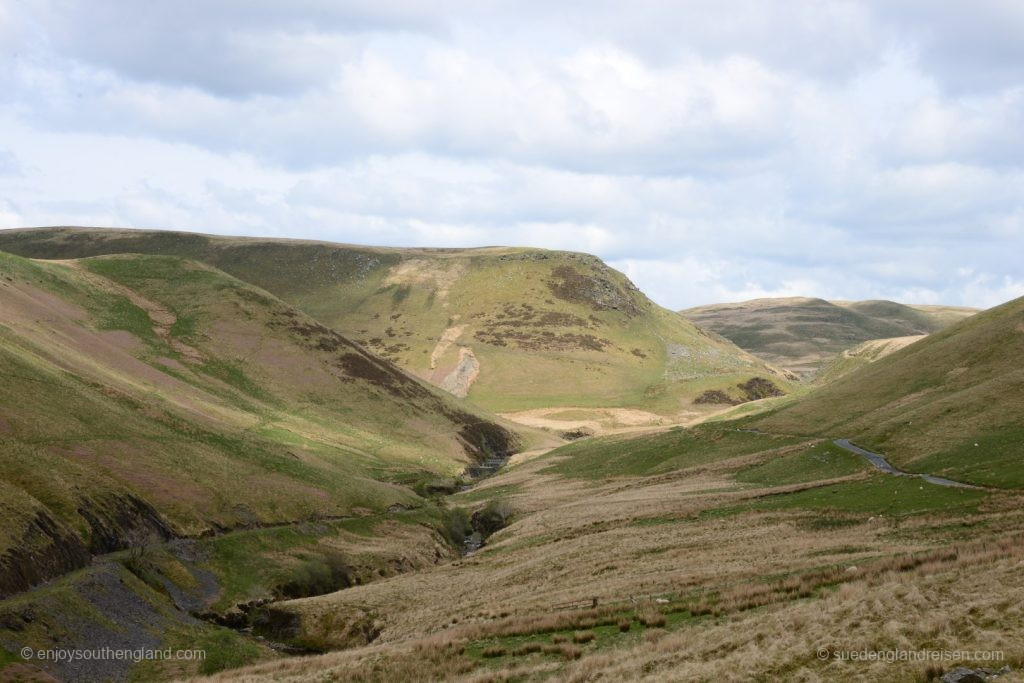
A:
[327,462]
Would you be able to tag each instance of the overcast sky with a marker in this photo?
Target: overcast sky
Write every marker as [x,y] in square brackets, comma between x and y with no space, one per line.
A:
[712,150]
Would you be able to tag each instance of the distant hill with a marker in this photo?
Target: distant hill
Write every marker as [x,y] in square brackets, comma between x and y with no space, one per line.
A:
[950,404]
[800,334]
[157,394]
[512,329]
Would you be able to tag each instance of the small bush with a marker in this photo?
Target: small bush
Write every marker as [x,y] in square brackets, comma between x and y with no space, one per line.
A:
[528,648]
[571,652]
[565,650]
[582,637]
[558,638]
[624,625]
[492,517]
[649,615]
[495,652]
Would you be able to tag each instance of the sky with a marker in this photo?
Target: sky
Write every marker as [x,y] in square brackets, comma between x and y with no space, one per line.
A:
[711,150]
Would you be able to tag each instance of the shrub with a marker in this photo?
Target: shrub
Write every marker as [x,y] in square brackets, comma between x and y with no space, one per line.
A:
[649,615]
[528,648]
[582,636]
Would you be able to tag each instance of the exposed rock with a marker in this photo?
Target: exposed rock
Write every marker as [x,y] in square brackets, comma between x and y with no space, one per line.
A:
[962,674]
[47,549]
[600,293]
[715,397]
[576,433]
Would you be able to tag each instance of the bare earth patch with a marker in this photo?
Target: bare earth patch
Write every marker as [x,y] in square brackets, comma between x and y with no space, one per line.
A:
[447,339]
[465,373]
[600,420]
[438,275]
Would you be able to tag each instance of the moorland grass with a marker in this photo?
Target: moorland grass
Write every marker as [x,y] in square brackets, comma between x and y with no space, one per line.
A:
[821,461]
[631,455]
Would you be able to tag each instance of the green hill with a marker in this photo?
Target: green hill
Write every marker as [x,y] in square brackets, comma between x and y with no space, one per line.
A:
[152,394]
[800,333]
[512,329]
[951,404]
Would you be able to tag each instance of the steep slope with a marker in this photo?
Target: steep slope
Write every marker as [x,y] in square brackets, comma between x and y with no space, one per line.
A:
[156,395]
[512,329]
[951,404]
[800,333]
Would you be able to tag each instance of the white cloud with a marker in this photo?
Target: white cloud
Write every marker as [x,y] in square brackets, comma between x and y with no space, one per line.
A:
[828,148]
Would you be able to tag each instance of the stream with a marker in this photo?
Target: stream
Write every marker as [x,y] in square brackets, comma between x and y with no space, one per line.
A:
[883,465]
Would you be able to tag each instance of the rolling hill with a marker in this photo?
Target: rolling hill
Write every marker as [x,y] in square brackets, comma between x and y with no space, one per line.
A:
[157,395]
[294,492]
[951,404]
[512,329]
[801,334]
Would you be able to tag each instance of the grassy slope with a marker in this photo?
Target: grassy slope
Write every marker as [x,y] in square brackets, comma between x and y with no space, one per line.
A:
[240,411]
[801,333]
[951,404]
[659,555]
[547,328]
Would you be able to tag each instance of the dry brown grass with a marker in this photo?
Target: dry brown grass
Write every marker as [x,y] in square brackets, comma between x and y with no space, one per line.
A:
[758,592]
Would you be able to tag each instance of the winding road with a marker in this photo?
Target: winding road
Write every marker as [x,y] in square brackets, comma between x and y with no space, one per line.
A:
[882,464]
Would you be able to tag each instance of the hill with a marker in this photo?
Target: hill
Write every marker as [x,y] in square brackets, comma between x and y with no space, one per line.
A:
[801,334]
[951,404]
[513,329]
[157,395]
[693,543]
[860,355]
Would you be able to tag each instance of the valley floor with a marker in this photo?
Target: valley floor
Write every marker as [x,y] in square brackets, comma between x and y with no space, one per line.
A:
[703,554]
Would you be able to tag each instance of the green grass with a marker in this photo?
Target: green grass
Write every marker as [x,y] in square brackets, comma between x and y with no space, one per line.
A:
[621,456]
[118,313]
[925,405]
[994,459]
[605,636]
[185,327]
[880,494]
[476,494]
[534,357]
[255,563]
[821,461]
[234,374]
[223,649]
[7,658]
[250,564]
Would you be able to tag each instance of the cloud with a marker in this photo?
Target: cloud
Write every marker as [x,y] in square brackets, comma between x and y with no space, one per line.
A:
[830,148]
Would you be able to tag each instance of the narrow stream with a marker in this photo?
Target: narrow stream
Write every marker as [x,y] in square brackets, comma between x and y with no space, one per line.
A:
[882,464]
[484,469]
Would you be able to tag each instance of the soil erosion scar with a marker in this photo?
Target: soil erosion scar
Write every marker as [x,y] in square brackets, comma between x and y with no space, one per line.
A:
[465,373]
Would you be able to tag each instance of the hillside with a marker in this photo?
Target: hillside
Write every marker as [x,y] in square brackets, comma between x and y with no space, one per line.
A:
[665,555]
[681,555]
[158,395]
[951,404]
[512,329]
[800,334]
[860,355]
